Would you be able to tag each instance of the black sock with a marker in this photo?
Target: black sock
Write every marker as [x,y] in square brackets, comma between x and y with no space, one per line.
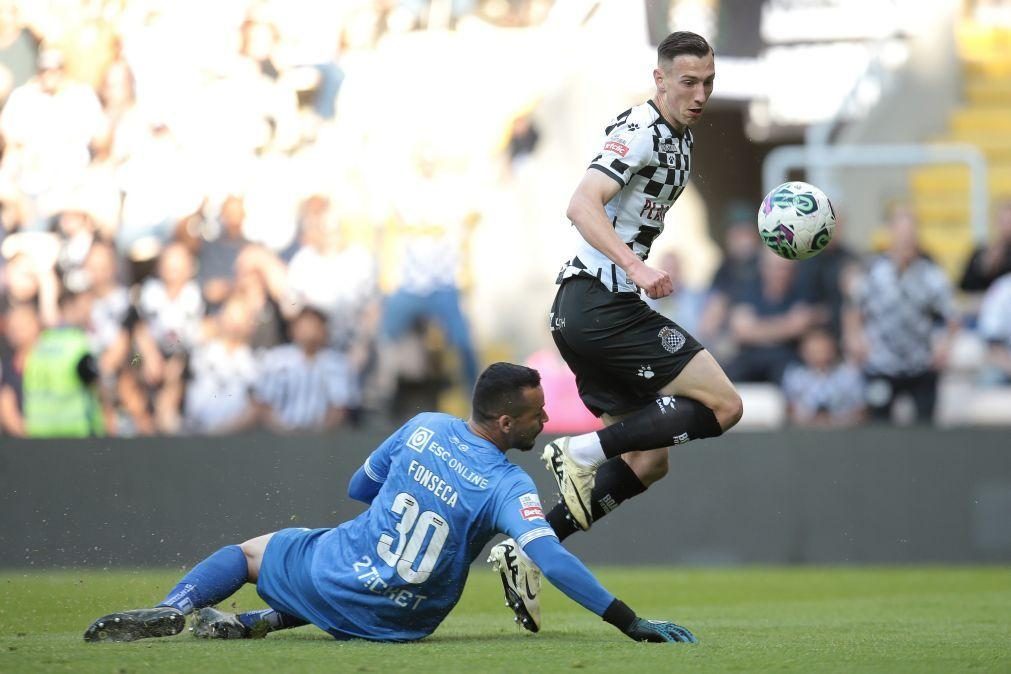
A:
[615,483]
[665,422]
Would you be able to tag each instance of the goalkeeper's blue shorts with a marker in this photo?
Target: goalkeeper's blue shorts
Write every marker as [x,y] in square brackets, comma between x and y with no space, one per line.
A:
[286,584]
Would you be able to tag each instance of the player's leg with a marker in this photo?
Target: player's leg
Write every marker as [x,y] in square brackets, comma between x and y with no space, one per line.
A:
[699,402]
[211,623]
[215,578]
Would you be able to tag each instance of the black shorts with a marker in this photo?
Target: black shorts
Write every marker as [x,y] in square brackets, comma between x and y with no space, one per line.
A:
[621,351]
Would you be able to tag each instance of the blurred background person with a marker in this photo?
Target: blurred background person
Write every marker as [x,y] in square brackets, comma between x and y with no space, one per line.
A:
[990,260]
[994,327]
[767,322]
[821,389]
[736,276]
[48,125]
[223,372]
[61,396]
[171,311]
[901,328]
[21,332]
[684,305]
[217,256]
[305,386]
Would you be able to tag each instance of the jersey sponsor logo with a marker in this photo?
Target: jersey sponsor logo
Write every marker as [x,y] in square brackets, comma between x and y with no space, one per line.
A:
[419,439]
[681,439]
[654,211]
[555,322]
[668,147]
[616,147]
[530,507]
[671,339]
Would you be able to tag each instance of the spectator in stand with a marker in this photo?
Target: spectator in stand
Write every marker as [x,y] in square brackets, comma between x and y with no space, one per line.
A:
[338,279]
[823,390]
[109,334]
[61,398]
[76,228]
[893,328]
[768,322]
[992,260]
[736,276]
[305,386]
[223,372]
[995,327]
[684,304]
[171,311]
[429,235]
[22,330]
[48,125]
[19,49]
[216,260]
[259,283]
[829,277]
[27,279]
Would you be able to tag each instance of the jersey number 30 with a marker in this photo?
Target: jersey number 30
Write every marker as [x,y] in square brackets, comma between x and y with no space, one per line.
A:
[413,528]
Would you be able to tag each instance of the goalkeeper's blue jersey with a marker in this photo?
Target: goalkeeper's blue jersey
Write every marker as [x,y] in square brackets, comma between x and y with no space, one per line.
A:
[395,571]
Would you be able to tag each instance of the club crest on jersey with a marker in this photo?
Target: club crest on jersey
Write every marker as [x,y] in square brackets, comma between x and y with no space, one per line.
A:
[616,147]
[671,339]
[419,439]
[530,507]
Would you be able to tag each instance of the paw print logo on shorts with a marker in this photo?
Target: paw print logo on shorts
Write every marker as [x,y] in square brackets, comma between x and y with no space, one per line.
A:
[646,371]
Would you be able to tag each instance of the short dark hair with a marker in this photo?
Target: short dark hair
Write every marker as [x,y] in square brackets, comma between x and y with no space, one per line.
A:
[499,390]
[311,311]
[682,42]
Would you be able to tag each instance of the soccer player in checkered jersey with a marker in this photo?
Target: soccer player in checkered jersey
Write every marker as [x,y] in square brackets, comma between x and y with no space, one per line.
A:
[652,383]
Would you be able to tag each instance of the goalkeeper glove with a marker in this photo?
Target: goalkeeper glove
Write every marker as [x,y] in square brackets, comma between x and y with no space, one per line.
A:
[656,631]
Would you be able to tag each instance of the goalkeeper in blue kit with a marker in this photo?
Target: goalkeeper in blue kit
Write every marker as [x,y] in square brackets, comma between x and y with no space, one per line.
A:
[439,489]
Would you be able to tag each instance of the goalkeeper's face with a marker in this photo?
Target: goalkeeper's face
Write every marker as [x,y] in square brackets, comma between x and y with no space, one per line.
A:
[522,429]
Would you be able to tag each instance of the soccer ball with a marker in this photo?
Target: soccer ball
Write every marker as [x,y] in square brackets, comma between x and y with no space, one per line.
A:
[796,220]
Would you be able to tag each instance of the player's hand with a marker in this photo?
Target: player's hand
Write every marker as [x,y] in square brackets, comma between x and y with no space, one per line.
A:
[654,283]
[659,631]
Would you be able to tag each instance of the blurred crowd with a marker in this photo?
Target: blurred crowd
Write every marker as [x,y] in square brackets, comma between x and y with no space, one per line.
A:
[173,259]
[850,338]
[188,243]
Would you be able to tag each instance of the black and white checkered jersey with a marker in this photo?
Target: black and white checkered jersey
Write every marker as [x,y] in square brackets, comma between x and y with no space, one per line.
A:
[901,311]
[651,162]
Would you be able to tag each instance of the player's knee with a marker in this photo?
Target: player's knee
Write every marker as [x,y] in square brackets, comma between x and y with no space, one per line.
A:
[649,466]
[729,410]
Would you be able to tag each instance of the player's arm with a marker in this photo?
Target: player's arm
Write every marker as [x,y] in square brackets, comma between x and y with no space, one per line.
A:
[586,211]
[571,576]
[371,475]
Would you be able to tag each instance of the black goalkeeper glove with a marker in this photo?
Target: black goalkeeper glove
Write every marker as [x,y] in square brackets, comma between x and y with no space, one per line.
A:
[656,631]
[659,631]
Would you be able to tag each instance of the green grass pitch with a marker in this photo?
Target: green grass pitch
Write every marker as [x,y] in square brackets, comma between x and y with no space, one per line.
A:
[908,619]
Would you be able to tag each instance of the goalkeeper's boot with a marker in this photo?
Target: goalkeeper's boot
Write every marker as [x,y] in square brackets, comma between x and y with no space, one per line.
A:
[575,481]
[210,623]
[521,580]
[143,623]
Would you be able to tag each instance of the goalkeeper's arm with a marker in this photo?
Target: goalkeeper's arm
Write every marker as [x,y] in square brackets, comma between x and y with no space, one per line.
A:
[571,576]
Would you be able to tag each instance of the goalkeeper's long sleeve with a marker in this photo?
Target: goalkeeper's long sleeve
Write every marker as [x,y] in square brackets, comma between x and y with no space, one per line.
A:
[568,574]
[363,488]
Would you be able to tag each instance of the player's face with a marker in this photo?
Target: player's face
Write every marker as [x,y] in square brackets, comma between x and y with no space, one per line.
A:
[684,87]
[529,422]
